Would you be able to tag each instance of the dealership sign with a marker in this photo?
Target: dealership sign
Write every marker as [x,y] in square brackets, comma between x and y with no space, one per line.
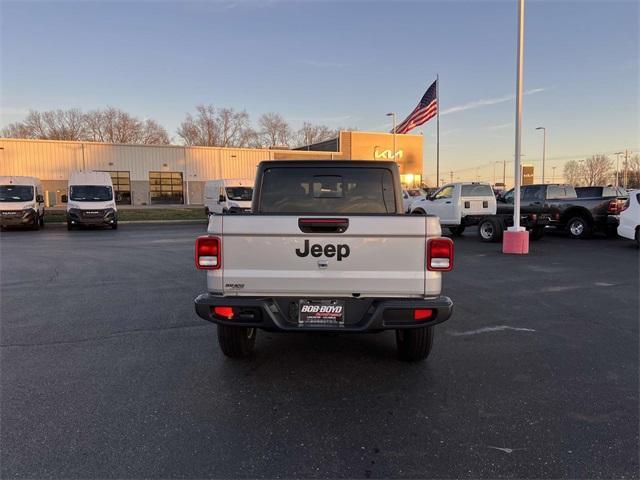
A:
[387,154]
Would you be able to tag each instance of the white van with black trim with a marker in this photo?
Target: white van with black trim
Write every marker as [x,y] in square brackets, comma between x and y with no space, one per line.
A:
[21,202]
[228,196]
[90,200]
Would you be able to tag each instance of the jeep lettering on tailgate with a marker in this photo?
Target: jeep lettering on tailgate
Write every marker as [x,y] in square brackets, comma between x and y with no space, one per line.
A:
[339,251]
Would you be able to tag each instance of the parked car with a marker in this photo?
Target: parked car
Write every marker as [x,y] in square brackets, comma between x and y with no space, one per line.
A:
[228,195]
[629,226]
[409,195]
[21,202]
[580,217]
[90,200]
[327,248]
[463,204]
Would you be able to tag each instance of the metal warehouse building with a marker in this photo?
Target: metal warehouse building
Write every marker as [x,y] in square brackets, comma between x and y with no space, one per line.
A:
[172,174]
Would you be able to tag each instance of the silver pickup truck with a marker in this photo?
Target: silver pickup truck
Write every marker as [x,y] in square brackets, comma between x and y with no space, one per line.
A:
[326,248]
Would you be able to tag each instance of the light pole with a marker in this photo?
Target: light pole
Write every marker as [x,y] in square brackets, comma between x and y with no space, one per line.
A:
[544,148]
[617,154]
[516,239]
[393,116]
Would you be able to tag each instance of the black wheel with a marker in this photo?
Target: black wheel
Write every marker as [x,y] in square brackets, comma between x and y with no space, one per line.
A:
[114,225]
[579,228]
[457,231]
[36,222]
[42,220]
[638,237]
[414,344]
[236,342]
[69,226]
[418,211]
[536,233]
[490,229]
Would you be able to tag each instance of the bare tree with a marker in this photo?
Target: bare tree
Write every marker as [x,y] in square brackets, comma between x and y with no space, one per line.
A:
[275,130]
[113,125]
[51,125]
[234,127]
[633,172]
[309,134]
[596,170]
[214,127]
[108,125]
[573,172]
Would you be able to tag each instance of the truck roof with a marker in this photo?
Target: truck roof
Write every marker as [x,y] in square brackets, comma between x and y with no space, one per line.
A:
[18,180]
[89,177]
[329,163]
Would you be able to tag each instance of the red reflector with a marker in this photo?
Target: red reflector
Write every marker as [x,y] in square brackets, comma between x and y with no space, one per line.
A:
[422,313]
[208,253]
[226,312]
[439,254]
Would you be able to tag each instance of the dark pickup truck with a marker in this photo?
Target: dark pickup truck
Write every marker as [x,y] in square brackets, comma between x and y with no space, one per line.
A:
[580,217]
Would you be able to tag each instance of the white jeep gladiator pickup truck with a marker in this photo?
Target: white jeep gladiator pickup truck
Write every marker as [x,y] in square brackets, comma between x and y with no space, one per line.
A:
[326,248]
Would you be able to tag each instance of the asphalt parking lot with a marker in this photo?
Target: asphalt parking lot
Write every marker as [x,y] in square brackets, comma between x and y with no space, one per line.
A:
[107,372]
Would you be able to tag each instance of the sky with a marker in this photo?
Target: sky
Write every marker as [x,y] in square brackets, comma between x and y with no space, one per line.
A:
[343,64]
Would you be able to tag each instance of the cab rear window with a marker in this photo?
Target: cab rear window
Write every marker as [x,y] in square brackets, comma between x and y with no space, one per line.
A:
[476,191]
[310,190]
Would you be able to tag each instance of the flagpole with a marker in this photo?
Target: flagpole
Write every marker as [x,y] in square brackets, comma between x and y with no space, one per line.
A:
[438,131]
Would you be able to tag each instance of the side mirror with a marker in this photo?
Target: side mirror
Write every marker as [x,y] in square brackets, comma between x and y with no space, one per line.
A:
[221,199]
[39,198]
[64,199]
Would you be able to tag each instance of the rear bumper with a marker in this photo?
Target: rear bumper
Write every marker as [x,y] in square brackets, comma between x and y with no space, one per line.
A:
[361,315]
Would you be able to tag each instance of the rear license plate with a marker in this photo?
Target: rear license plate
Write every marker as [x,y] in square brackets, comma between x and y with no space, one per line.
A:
[321,313]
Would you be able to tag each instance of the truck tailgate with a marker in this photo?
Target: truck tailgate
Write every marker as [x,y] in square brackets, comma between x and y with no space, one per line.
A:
[271,255]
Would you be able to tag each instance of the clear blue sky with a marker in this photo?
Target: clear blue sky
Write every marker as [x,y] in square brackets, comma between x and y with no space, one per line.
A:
[342,64]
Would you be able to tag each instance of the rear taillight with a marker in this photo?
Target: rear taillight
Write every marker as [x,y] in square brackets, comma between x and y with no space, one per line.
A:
[439,254]
[208,253]
[422,314]
[225,312]
[624,206]
[613,207]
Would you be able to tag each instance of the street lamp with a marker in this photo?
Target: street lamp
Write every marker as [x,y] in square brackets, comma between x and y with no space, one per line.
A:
[617,154]
[544,148]
[393,115]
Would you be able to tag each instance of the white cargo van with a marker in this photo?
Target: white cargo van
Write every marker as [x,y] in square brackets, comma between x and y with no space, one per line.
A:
[90,200]
[228,195]
[21,202]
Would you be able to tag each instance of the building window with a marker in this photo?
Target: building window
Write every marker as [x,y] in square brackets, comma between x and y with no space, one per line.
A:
[121,187]
[166,187]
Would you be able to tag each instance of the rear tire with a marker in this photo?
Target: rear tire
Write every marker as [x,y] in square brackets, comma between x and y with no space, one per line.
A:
[637,237]
[536,233]
[490,229]
[236,342]
[69,226]
[457,231]
[579,228]
[414,344]
[42,220]
[114,225]
[418,211]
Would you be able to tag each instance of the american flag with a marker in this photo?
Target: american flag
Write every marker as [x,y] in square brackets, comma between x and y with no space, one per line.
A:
[425,111]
